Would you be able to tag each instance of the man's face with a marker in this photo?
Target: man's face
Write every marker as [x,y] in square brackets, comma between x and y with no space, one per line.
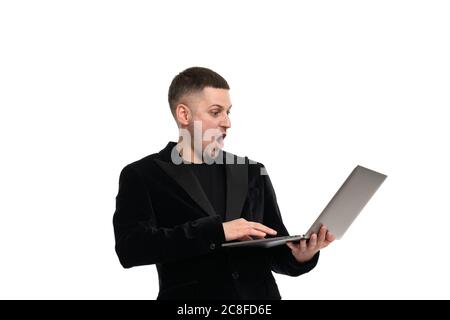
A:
[210,109]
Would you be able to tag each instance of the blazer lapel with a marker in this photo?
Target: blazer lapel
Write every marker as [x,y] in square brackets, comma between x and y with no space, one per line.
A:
[189,182]
[236,181]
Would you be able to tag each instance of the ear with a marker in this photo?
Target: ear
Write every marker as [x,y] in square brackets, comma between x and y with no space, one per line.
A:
[183,114]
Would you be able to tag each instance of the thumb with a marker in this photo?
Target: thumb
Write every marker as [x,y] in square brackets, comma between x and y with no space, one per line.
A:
[290,245]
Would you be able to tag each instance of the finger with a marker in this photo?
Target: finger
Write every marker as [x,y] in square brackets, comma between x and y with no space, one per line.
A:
[263,228]
[256,233]
[330,237]
[291,245]
[303,245]
[322,235]
[245,238]
[312,241]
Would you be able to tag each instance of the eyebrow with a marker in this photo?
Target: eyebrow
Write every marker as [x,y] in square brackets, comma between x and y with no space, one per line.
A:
[218,105]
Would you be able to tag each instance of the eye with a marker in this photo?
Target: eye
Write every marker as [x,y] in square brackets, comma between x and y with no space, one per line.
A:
[215,113]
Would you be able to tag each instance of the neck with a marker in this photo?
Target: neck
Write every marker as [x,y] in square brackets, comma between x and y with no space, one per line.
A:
[187,152]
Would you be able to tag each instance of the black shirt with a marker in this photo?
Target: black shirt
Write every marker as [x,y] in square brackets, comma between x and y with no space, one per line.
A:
[212,178]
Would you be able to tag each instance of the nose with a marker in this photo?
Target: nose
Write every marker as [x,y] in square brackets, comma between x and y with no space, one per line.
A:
[226,123]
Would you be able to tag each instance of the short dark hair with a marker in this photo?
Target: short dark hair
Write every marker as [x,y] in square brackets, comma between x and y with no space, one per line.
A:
[193,80]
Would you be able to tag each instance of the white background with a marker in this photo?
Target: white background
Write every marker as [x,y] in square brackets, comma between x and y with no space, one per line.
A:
[83,88]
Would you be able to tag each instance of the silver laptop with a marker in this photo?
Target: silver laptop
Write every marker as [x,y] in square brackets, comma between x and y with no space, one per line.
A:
[338,215]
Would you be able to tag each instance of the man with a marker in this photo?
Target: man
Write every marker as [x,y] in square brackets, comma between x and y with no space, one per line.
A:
[175,208]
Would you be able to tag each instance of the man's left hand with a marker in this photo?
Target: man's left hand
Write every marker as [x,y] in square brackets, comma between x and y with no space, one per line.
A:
[305,251]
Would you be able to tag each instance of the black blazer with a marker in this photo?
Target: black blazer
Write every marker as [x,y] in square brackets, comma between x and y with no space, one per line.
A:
[163,217]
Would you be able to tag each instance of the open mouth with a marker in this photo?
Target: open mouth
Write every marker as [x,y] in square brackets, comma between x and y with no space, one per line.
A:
[220,139]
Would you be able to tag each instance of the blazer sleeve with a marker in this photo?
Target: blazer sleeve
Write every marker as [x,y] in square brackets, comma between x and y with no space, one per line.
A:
[139,241]
[282,260]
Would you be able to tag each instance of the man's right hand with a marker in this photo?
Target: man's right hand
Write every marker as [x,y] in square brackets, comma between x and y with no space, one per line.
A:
[241,229]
